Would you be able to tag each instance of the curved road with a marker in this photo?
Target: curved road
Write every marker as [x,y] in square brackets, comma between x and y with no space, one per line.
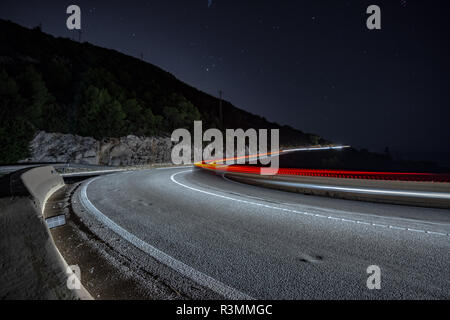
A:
[245,241]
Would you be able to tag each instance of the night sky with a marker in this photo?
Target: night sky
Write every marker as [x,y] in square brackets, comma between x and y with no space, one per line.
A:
[310,64]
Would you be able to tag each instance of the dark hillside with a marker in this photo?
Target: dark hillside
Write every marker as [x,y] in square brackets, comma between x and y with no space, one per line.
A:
[59,85]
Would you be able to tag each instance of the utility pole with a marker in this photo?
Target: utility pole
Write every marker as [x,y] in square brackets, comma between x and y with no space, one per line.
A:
[220,109]
[142,56]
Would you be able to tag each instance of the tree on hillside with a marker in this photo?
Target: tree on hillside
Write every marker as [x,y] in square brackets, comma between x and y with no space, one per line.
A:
[153,123]
[180,113]
[58,78]
[134,118]
[41,110]
[139,120]
[102,78]
[15,130]
[100,115]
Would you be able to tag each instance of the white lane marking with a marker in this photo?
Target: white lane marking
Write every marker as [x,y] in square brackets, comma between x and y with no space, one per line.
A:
[397,228]
[437,233]
[334,210]
[180,167]
[94,172]
[415,230]
[182,268]
[389,192]
[172,177]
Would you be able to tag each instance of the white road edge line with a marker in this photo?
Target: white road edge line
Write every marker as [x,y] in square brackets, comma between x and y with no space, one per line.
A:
[389,192]
[187,271]
[179,167]
[172,177]
[339,211]
[93,172]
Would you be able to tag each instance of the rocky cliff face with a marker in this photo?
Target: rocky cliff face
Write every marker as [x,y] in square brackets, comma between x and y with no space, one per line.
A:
[129,150]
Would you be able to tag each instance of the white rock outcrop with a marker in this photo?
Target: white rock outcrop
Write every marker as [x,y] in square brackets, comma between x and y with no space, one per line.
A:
[129,150]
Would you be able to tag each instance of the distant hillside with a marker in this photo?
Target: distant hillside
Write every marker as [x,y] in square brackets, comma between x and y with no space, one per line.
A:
[59,85]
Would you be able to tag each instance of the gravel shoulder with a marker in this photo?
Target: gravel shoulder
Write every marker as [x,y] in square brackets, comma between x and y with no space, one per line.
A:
[111,268]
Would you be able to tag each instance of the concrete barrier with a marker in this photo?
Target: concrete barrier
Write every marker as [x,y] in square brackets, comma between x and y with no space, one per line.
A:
[42,182]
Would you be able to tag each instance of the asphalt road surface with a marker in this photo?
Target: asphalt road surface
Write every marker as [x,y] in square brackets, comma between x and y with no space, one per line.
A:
[250,242]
